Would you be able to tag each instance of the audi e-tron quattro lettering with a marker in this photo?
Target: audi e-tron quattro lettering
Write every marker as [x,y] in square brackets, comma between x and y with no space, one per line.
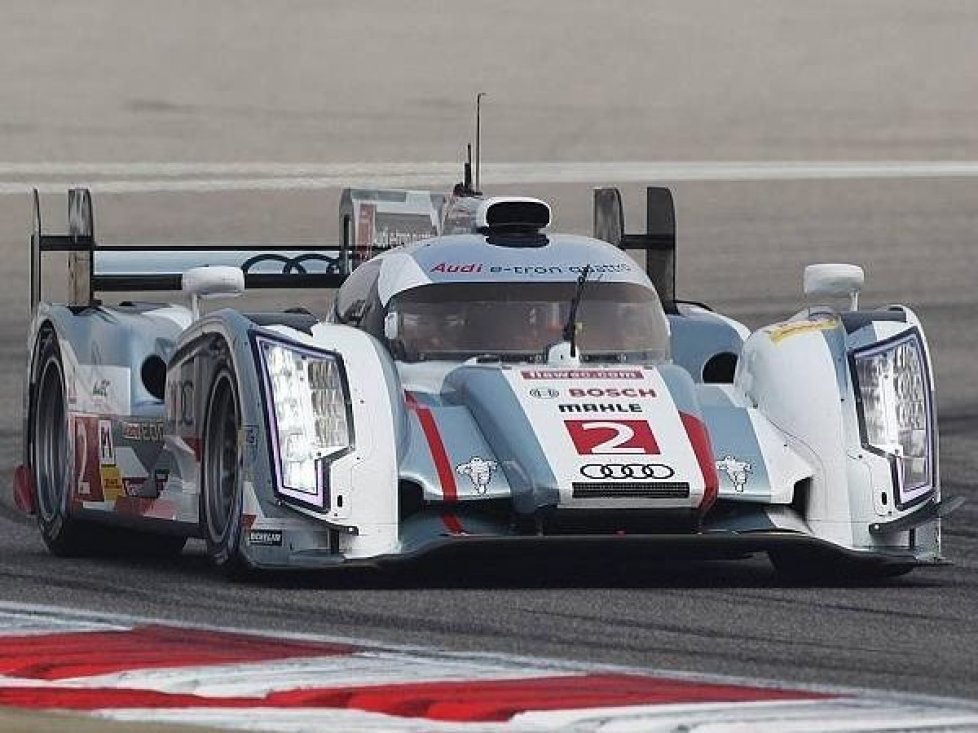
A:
[477,379]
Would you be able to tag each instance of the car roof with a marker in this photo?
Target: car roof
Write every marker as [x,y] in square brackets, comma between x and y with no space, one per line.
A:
[502,257]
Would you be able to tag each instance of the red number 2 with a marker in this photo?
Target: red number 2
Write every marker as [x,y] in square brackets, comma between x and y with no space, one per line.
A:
[612,437]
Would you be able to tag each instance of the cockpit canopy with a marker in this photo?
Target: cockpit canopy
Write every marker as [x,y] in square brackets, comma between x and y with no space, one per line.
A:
[616,321]
[456,297]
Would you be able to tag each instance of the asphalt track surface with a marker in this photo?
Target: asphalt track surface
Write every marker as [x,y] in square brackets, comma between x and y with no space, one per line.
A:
[388,81]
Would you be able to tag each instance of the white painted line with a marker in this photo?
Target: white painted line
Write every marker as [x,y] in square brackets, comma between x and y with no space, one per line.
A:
[149,177]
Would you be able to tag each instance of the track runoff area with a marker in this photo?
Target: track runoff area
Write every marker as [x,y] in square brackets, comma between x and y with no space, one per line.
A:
[150,671]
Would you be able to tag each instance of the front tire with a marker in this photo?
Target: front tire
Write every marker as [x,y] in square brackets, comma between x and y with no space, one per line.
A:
[221,492]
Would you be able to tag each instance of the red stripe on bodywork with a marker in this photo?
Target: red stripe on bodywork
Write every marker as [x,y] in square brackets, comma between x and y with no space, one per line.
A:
[85,654]
[462,701]
[446,476]
[699,437]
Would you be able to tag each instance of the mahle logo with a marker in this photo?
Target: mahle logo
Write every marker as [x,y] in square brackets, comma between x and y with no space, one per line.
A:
[544,393]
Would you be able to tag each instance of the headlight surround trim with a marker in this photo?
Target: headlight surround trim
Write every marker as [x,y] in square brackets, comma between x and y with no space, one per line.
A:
[317,500]
[908,341]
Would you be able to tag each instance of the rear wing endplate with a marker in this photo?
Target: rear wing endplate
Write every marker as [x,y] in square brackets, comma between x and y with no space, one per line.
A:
[658,241]
[95,268]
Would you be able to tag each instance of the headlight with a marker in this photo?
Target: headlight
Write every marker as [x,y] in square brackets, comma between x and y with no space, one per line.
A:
[310,416]
[896,411]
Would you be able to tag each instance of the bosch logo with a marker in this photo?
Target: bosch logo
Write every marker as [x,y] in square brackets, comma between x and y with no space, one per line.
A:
[625,471]
[611,392]
[544,393]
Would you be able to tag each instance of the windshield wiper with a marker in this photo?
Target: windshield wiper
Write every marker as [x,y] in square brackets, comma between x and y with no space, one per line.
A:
[570,328]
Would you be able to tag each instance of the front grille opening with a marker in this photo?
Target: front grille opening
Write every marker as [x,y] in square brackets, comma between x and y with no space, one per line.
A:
[637,490]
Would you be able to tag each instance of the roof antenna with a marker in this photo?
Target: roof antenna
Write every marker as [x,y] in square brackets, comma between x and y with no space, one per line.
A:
[467,180]
[478,139]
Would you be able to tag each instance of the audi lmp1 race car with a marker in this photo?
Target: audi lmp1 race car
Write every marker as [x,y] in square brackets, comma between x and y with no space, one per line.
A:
[478,380]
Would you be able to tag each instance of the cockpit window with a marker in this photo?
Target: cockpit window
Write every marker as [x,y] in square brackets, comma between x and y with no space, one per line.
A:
[518,321]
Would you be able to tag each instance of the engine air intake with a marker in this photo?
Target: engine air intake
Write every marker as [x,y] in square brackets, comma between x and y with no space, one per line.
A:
[512,214]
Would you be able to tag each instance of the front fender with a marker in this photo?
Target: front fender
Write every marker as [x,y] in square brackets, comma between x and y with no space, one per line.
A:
[358,513]
[798,375]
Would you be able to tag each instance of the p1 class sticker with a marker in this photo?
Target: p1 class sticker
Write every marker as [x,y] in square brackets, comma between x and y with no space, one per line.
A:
[612,437]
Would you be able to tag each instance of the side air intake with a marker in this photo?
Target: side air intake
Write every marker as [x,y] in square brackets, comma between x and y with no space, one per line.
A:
[512,214]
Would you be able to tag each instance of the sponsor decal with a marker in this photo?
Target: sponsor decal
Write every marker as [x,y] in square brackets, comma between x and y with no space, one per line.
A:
[737,471]
[180,402]
[479,471]
[611,392]
[160,477]
[451,268]
[112,484]
[625,471]
[544,393]
[265,537]
[582,374]
[796,328]
[528,269]
[82,482]
[133,486]
[101,389]
[600,407]
[612,437]
[106,448]
[559,269]
[143,431]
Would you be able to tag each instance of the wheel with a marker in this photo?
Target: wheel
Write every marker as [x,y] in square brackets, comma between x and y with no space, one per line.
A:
[220,496]
[48,431]
[807,567]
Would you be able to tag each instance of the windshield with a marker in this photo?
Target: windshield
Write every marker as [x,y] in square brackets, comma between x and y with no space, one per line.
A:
[517,321]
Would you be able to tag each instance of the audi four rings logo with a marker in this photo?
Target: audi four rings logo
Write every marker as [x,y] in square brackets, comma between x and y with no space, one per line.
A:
[625,471]
[544,393]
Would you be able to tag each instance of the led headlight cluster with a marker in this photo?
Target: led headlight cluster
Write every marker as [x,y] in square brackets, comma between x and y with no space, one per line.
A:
[896,415]
[310,415]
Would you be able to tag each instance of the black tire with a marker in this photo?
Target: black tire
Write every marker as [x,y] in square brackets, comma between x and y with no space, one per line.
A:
[64,535]
[221,489]
[810,567]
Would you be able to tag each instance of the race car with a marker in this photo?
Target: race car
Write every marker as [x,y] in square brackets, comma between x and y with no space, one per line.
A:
[478,380]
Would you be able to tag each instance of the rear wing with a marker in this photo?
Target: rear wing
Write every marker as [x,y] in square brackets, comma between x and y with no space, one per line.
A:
[372,220]
[658,241]
[95,268]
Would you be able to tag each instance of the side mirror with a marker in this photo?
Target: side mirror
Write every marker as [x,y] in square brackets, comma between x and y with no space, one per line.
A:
[834,281]
[211,282]
[391,325]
